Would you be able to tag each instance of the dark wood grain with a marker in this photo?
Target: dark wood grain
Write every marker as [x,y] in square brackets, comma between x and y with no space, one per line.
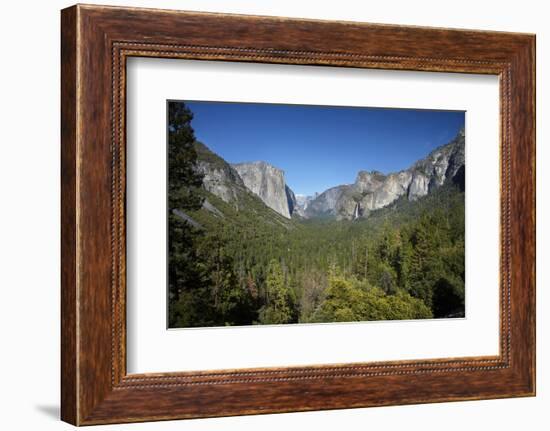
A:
[69,397]
[96,41]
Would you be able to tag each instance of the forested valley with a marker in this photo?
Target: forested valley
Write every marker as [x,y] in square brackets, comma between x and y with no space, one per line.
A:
[238,262]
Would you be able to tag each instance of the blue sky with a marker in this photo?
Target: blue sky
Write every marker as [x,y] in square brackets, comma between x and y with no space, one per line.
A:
[318,146]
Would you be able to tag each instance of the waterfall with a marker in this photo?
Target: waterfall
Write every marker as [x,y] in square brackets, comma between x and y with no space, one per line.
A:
[356,211]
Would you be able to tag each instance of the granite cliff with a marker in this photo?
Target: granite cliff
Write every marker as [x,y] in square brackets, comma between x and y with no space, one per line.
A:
[371,190]
[219,177]
[258,180]
[268,183]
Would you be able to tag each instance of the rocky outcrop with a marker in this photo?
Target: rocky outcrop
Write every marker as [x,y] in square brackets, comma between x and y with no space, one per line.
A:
[440,164]
[419,186]
[327,203]
[212,209]
[220,182]
[219,177]
[187,219]
[373,190]
[457,157]
[378,190]
[302,202]
[267,182]
[231,182]
[291,199]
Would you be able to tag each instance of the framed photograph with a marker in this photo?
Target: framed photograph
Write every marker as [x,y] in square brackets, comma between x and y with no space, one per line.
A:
[267,215]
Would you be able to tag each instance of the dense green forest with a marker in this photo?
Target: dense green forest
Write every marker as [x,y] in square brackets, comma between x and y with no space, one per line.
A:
[245,264]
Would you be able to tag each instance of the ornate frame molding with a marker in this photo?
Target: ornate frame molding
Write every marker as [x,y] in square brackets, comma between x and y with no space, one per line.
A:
[96,41]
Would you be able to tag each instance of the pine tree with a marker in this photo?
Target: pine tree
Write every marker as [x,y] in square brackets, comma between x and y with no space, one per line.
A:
[420,262]
[186,281]
[183,177]
[279,297]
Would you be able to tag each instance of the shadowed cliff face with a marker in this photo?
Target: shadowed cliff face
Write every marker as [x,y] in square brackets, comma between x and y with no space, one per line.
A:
[370,191]
[291,199]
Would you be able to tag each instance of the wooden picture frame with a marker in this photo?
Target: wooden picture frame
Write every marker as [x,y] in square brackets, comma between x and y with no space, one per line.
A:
[95,43]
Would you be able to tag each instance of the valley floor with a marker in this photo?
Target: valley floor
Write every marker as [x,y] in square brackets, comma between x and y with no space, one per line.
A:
[248,265]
